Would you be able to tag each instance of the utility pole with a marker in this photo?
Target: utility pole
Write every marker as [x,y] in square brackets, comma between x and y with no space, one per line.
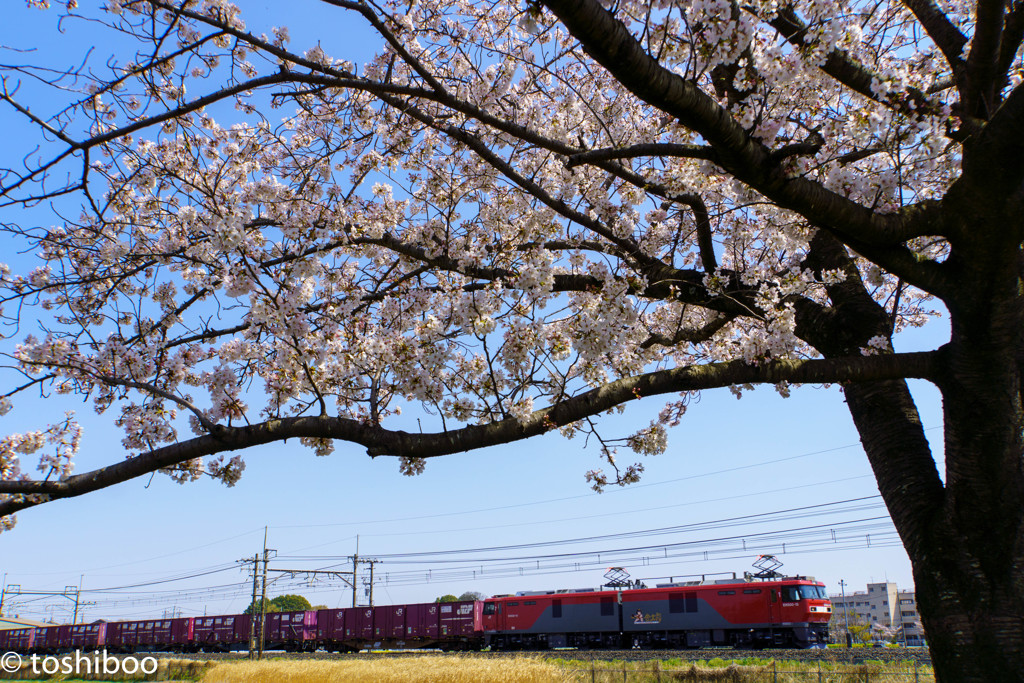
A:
[252,609]
[355,568]
[263,600]
[846,614]
[78,593]
[3,591]
[371,563]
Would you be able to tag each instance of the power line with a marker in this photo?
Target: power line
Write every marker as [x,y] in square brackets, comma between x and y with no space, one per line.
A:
[727,521]
[620,513]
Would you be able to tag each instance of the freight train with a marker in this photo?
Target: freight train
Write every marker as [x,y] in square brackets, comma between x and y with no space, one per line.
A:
[778,612]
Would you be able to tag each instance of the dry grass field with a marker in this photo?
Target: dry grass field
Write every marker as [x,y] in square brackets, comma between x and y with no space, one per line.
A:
[468,669]
[522,669]
[420,669]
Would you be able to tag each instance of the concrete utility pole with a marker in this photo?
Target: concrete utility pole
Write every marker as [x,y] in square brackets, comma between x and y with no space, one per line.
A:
[846,614]
[74,618]
[263,600]
[372,562]
[252,610]
[355,568]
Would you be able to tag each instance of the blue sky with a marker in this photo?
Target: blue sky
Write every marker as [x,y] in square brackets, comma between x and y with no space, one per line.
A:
[728,459]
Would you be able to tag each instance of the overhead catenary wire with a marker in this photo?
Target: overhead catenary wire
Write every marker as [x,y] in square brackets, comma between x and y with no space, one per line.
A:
[694,526]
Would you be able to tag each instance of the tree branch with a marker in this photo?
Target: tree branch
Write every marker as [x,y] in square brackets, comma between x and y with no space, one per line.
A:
[878,236]
[1009,43]
[942,31]
[643,150]
[980,96]
[379,441]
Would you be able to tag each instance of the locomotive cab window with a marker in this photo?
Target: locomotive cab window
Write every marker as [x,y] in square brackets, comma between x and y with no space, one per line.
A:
[790,593]
[489,608]
[812,593]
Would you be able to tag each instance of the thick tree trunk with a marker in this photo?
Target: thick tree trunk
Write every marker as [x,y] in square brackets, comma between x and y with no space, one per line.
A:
[974,622]
[965,538]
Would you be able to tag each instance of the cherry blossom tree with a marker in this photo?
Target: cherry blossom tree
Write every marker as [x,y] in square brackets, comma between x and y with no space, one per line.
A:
[521,215]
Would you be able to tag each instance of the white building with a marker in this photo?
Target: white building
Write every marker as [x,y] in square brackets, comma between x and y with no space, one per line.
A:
[883,604]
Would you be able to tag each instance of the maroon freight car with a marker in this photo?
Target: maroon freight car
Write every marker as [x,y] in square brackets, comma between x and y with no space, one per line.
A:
[21,639]
[292,631]
[422,622]
[454,625]
[220,633]
[87,636]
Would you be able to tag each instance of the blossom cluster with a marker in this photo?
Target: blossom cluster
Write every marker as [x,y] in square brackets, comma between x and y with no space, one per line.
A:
[412,230]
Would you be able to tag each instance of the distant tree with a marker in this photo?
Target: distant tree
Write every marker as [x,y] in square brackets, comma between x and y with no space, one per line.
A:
[291,603]
[254,607]
[282,603]
[472,595]
[880,633]
[320,607]
[859,627]
[447,598]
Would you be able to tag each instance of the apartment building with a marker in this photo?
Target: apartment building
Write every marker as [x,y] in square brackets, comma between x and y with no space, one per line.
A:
[883,604]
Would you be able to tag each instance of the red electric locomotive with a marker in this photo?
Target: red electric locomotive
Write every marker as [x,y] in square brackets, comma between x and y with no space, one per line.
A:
[790,612]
